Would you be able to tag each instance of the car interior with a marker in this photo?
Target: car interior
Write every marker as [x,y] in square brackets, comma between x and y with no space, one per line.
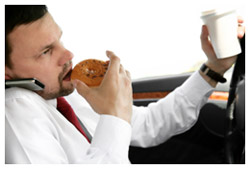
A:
[218,137]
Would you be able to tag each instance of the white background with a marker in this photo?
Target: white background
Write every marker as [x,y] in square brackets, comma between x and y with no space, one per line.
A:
[152,37]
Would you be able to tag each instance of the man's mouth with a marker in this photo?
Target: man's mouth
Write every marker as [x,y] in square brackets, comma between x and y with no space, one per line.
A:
[67,76]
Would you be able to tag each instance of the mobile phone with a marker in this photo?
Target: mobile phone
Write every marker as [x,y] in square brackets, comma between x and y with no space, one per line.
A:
[27,83]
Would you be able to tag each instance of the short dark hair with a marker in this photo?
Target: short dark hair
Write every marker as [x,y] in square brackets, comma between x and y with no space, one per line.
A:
[16,15]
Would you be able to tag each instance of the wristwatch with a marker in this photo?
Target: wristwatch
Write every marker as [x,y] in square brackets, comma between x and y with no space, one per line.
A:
[212,74]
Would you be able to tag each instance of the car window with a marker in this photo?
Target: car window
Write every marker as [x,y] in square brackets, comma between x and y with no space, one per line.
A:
[152,38]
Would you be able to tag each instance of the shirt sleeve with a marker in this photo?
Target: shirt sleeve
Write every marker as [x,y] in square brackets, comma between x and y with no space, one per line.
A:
[174,114]
[112,137]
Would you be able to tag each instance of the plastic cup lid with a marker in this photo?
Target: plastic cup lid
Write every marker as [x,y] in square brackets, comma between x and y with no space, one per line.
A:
[216,12]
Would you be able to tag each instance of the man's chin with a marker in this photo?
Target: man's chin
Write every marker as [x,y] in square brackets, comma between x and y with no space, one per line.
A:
[63,91]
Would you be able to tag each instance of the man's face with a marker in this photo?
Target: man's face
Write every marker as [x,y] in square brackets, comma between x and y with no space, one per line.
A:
[37,52]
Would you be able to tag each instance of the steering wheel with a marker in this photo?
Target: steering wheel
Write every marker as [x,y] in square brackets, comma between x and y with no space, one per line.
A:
[235,113]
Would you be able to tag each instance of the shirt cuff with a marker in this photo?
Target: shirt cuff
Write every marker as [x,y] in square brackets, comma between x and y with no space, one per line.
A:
[195,88]
[113,136]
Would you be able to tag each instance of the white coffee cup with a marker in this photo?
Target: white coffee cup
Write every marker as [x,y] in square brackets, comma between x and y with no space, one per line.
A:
[222,27]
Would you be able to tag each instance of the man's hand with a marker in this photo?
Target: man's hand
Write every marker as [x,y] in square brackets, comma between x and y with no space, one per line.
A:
[218,65]
[114,95]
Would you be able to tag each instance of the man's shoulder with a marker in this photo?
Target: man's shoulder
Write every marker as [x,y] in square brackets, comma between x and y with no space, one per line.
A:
[16,92]
[15,96]
[27,101]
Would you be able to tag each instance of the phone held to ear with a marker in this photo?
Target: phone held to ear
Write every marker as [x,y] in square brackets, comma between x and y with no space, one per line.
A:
[27,83]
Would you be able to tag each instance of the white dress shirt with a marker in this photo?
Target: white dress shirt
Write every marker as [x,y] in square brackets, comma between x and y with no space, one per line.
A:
[36,132]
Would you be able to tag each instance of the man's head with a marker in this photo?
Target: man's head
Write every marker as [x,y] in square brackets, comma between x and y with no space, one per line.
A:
[33,49]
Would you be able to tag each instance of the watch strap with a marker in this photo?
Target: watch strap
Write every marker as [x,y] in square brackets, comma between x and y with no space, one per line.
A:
[212,74]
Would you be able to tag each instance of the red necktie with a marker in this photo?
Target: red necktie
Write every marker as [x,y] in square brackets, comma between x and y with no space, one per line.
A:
[67,111]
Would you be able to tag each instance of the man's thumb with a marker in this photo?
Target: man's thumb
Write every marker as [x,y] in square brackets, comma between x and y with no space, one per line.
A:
[81,87]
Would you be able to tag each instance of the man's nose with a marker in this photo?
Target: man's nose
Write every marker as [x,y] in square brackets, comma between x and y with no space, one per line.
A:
[65,57]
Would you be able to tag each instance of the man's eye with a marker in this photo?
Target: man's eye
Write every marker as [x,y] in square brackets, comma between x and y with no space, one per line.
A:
[47,51]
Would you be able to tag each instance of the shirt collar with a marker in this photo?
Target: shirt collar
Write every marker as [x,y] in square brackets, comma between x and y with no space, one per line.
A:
[52,102]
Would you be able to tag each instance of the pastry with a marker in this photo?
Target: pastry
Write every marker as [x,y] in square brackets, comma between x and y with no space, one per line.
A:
[90,71]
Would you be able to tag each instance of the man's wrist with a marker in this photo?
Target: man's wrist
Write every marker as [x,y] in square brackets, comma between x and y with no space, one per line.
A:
[212,74]
[210,81]
[113,135]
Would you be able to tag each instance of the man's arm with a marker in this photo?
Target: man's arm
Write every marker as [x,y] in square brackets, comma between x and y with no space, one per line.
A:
[174,114]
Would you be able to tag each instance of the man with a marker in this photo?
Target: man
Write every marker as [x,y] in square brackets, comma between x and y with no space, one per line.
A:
[36,132]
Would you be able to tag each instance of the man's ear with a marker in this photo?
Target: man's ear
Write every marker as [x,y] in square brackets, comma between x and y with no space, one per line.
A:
[7,73]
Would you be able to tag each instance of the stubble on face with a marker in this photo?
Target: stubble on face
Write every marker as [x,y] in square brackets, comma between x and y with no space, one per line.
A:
[62,90]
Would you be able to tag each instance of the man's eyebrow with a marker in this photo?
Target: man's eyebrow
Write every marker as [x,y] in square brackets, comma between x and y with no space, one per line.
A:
[46,47]
[50,45]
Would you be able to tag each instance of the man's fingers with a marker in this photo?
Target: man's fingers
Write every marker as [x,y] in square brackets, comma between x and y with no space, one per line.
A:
[241,27]
[115,67]
[81,87]
[122,70]
[205,42]
[240,20]
[204,38]
[241,31]
[114,64]
[128,74]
